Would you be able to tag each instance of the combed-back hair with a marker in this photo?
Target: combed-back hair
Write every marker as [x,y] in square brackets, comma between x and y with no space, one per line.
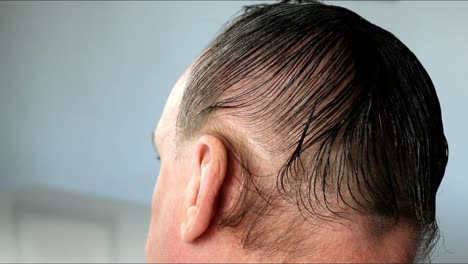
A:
[343,105]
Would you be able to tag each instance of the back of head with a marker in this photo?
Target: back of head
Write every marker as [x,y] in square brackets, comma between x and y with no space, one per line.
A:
[328,118]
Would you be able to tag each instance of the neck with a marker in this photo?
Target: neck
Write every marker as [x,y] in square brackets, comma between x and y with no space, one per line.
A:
[338,244]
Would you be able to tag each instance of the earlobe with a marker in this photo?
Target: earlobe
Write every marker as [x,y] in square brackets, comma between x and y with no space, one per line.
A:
[204,188]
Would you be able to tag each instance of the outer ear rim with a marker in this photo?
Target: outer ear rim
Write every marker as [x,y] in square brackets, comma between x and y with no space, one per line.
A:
[205,186]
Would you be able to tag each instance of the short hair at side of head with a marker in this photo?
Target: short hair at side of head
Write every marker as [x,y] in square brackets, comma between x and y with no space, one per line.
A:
[344,105]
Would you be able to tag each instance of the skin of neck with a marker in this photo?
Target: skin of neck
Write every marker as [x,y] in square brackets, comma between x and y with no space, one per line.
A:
[337,243]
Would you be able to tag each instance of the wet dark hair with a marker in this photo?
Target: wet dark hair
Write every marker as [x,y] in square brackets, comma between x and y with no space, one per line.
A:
[343,105]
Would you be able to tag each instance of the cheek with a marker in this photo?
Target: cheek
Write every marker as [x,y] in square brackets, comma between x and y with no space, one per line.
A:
[151,248]
[163,236]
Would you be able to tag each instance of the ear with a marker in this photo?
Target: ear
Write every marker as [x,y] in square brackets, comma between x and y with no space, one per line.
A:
[204,187]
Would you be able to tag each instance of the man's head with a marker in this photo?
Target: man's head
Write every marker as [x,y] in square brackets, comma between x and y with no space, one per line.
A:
[302,133]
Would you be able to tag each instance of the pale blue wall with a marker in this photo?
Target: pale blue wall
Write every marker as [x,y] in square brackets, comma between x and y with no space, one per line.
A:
[83,85]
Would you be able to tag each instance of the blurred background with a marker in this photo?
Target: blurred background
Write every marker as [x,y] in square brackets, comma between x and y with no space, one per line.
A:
[82,85]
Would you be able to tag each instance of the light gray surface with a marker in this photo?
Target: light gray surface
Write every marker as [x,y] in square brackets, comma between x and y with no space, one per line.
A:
[83,84]
[66,213]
